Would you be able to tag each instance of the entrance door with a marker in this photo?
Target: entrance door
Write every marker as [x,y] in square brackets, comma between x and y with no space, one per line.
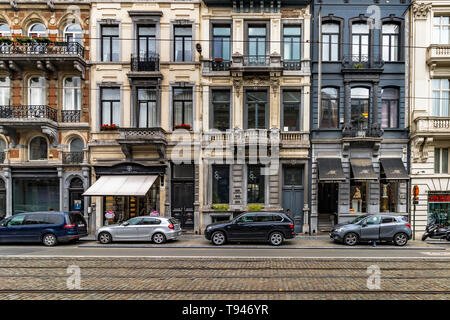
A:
[327,205]
[183,203]
[293,195]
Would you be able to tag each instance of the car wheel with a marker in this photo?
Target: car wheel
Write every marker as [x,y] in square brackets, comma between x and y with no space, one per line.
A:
[218,238]
[276,238]
[104,238]
[49,240]
[351,239]
[400,239]
[158,238]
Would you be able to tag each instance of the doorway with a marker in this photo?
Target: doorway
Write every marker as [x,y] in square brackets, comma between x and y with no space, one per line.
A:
[183,195]
[293,193]
[327,199]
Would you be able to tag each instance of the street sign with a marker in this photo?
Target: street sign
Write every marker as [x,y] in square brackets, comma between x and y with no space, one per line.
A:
[416,192]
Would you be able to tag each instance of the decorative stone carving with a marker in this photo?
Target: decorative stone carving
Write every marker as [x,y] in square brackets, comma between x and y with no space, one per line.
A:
[237,85]
[421,9]
[417,143]
[52,134]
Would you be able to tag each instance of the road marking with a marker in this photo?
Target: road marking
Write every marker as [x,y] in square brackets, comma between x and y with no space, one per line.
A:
[437,253]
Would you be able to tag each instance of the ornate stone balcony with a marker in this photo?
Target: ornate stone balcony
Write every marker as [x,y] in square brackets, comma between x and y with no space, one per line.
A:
[431,126]
[256,64]
[129,137]
[438,55]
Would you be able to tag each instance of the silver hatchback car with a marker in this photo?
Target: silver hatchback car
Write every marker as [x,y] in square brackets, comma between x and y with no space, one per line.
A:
[144,228]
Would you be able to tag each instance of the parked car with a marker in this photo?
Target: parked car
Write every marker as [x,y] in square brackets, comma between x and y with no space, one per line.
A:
[273,227]
[46,227]
[376,227]
[143,228]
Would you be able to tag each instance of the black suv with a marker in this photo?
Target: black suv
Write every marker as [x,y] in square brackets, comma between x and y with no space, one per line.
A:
[262,226]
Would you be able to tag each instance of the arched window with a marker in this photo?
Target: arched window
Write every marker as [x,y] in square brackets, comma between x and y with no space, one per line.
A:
[360,42]
[389,108]
[330,41]
[329,113]
[38,149]
[72,93]
[36,91]
[360,107]
[73,33]
[390,41]
[76,145]
[4,91]
[37,30]
[5,30]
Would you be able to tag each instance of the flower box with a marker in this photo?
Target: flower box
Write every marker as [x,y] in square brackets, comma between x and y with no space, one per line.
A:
[6,40]
[108,127]
[183,126]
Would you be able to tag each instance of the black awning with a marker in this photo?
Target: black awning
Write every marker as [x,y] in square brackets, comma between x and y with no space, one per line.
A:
[363,169]
[394,169]
[330,169]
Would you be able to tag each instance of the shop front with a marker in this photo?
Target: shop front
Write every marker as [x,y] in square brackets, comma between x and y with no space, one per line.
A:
[439,207]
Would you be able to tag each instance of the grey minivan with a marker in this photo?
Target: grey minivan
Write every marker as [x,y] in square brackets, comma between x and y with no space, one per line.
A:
[374,227]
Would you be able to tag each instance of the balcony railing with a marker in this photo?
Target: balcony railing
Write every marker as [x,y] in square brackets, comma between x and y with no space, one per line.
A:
[28,112]
[144,63]
[292,65]
[250,61]
[142,134]
[70,115]
[220,65]
[361,62]
[72,157]
[355,132]
[36,48]
[439,125]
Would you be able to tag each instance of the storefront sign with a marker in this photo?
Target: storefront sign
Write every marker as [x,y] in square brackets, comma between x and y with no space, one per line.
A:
[439,197]
[77,204]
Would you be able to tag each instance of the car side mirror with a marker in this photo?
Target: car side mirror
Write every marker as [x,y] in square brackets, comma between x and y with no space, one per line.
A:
[364,224]
[125,224]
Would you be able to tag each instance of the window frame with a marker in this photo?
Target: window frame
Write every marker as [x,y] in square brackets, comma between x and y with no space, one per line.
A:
[39,34]
[440,99]
[291,25]
[43,90]
[74,88]
[183,37]
[266,111]
[148,38]
[102,36]
[440,25]
[439,165]
[110,106]
[369,35]
[211,109]
[223,166]
[138,107]
[338,108]
[254,23]
[390,46]
[183,105]
[29,149]
[329,34]
[72,33]
[300,119]
[390,109]
[218,24]
[369,106]
[261,182]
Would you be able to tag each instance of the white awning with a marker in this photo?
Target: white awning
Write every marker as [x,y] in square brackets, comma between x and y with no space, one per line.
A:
[121,186]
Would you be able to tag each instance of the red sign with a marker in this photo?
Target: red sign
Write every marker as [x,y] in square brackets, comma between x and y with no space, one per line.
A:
[439,198]
[416,192]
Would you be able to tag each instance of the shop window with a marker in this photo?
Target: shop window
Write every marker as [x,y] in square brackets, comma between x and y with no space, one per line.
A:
[38,149]
[35,194]
[220,183]
[388,196]
[2,199]
[255,185]
[440,160]
[439,208]
[358,197]
[329,113]
[291,110]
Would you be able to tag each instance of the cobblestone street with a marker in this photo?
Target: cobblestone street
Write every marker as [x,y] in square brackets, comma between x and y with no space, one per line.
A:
[221,278]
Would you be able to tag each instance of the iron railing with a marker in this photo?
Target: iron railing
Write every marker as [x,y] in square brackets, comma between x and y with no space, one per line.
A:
[37,48]
[373,131]
[70,115]
[28,112]
[292,65]
[220,65]
[362,62]
[72,157]
[144,62]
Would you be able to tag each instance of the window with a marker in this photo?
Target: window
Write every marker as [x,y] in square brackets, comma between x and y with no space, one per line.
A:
[72,93]
[373,220]
[358,196]
[37,30]
[256,109]
[150,221]
[222,40]
[291,110]
[147,117]
[256,45]
[37,91]
[35,194]
[360,42]
[388,196]
[360,107]
[440,98]
[220,184]
[146,41]
[4,91]
[441,28]
[390,41]
[330,42]
[291,41]
[182,106]
[440,160]
[5,30]
[134,221]
[388,220]
[73,33]
[76,145]
[389,108]
[247,218]
[110,43]
[38,149]
[16,220]
[439,208]
[220,112]
[292,176]
[110,106]
[183,43]
[255,185]
[329,113]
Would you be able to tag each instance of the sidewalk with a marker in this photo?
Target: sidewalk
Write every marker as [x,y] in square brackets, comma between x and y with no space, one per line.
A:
[299,242]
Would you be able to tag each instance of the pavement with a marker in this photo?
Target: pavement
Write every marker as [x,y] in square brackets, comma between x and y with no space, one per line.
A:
[299,242]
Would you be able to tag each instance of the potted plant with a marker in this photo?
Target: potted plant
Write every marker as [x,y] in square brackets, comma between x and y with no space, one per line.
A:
[41,39]
[358,65]
[108,127]
[21,39]
[220,207]
[183,126]
[6,40]
[218,59]
[255,207]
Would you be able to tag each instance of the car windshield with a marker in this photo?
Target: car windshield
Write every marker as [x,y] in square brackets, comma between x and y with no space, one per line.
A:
[358,219]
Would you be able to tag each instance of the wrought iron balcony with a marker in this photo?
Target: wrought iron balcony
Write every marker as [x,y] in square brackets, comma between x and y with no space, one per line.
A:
[70,115]
[72,157]
[292,65]
[361,62]
[374,131]
[145,62]
[38,48]
[31,112]
[220,65]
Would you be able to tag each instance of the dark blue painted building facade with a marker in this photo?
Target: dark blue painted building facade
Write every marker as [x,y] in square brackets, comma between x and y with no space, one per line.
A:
[359,132]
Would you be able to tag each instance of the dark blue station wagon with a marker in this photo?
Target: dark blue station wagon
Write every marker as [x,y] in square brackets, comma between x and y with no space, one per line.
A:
[46,227]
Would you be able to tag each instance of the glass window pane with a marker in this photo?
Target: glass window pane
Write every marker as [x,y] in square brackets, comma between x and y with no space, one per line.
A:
[362,28]
[437,160]
[257,31]
[221,184]
[183,31]
[444,110]
[110,31]
[394,114]
[255,185]
[106,113]
[187,49]
[292,31]
[221,31]
[76,145]
[436,104]
[326,48]
[334,48]
[143,115]
[444,160]
[330,28]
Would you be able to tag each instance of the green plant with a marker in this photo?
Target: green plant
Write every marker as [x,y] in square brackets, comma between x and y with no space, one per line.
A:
[358,65]
[255,207]
[220,207]
[108,127]
[21,39]
[5,40]
[41,39]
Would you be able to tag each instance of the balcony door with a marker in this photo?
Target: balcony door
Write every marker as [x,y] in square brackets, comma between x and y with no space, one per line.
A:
[360,42]
[256,45]
[37,92]
[146,42]
[147,115]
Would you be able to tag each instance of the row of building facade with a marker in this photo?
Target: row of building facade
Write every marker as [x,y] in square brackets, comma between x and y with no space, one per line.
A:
[202,110]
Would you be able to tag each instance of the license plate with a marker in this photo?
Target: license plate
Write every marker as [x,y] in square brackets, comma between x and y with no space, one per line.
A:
[81,225]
